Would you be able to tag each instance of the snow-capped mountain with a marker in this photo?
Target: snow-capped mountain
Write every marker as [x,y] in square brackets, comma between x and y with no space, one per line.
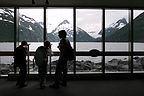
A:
[119,24]
[94,34]
[28,28]
[65,25]
[81,35]
[112,28]
[6,15]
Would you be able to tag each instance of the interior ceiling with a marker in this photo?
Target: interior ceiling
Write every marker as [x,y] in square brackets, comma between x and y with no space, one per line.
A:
[89,3]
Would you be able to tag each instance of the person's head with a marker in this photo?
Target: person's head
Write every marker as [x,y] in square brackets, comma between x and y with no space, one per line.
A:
[24,43]
[62,34]
[47,44]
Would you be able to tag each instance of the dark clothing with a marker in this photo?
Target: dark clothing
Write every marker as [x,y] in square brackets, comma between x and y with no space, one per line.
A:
[41,56]
[20,61]
[61,67]
[63,47]
[61,71]
[22,75]
[42,74]
[41,59]
[20,56]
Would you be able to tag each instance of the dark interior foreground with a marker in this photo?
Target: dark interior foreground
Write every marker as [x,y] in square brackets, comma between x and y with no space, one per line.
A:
[117,87]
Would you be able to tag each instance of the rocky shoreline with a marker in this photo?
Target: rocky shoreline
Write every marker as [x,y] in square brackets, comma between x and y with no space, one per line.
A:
[113,65]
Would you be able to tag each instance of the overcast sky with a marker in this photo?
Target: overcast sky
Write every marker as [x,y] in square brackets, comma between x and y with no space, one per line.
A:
[87,19]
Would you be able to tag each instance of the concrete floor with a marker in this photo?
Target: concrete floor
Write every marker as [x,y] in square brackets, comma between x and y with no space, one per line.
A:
[76,88]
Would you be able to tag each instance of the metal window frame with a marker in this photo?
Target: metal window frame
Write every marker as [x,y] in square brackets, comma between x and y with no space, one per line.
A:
[131,52]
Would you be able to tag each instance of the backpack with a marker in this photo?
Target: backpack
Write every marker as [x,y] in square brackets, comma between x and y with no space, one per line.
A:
[69,51]
[40,56]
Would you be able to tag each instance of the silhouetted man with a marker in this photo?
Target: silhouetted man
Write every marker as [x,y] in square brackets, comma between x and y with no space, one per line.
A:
[61,67]
[20,61]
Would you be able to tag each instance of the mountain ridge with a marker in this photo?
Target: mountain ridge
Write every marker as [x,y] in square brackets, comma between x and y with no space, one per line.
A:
[32,31]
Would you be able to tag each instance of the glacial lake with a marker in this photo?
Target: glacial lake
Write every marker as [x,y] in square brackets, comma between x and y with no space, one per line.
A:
[80,46]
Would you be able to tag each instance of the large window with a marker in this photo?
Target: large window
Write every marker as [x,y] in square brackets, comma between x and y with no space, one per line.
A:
[138,39]
[88,34]
[59,19]
[6,38]
[6,29]
[138,23]
[31,28]
[116,30]
[115,44]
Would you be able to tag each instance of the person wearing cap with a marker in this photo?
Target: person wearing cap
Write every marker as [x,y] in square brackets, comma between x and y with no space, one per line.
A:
[20,61]
[41,60]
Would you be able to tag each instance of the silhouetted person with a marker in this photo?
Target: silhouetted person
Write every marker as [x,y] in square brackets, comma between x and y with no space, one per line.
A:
[61,67]
[20,61]
[41,59]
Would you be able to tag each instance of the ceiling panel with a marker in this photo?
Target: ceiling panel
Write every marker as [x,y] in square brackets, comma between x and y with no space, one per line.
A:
[95,3]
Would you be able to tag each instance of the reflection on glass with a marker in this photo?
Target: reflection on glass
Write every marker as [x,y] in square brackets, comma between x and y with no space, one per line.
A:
[116,64]
[59,19]
[138,23]
[88,27]
[88,64]
[31,27]
[116,30]
[6,65]
[6,29]
[138,63]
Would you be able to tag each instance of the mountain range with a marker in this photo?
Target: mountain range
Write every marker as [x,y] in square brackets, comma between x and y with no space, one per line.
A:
[81,35]
[30,30]
[112,31]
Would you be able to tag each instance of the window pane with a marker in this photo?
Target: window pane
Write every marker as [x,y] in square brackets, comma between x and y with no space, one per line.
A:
[116,64]
[59,19]
[116,30]
[138,29]
[6,29]
[6,65]
[31,27]
[87,64]
[138,64]
[88,26]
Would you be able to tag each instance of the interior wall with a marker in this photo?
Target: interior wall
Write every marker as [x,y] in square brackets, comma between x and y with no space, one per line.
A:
[93,3]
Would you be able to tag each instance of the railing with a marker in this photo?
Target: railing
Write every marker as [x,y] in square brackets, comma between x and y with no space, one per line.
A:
[84,53]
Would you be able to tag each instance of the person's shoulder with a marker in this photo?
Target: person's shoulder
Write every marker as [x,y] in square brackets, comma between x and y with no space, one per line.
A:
[19,47]
[64,40]
[41,47]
